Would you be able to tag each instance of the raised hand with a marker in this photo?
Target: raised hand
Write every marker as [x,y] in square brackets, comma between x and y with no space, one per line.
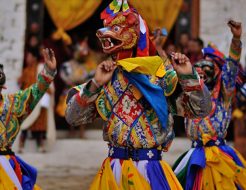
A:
[236,28]
[49,59]
[181,63]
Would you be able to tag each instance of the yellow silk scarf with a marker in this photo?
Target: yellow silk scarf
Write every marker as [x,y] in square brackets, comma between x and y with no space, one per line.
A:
[221,172]
[151,65]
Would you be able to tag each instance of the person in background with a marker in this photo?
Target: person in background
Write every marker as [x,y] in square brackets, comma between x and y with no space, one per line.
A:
[183,43]
[195,47]
[76,71]
[15,173]
[170,48]
[211,164]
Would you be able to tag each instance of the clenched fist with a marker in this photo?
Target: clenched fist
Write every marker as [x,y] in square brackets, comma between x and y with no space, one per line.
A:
[236,28]
[104,72]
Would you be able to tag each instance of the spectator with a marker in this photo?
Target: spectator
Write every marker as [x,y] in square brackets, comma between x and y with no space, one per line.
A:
[170,48]
[195,50]
[183,43]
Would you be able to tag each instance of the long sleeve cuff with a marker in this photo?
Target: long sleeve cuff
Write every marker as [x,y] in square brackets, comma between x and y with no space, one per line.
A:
[85,91]
[190,82]
[84,96]
[235,49]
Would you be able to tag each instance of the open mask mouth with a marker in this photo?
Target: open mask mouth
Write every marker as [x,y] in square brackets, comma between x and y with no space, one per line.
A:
[110,44]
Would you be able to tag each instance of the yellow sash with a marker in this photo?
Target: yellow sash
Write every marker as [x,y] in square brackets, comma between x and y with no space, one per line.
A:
[151,65]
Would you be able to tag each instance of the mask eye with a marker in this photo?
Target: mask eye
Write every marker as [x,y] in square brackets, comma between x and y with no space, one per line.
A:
[116,28]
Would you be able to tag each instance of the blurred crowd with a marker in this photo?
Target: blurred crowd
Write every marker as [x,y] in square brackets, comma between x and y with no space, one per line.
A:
[192,47]
[76,64]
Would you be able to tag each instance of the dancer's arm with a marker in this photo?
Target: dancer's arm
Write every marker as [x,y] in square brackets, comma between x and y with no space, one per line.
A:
[26,100]
[191,97]
[230,69]
[81,99]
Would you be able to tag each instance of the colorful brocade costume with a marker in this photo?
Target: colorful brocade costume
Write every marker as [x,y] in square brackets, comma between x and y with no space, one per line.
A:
[137,105]
[15,173]
[132,123]
[211,164]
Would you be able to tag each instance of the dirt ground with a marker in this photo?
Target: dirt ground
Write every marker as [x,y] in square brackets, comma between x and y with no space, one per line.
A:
[66,178]
[70,182]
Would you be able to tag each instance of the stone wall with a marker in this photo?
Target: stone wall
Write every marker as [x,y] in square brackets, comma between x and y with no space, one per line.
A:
[12,32]
[214,17]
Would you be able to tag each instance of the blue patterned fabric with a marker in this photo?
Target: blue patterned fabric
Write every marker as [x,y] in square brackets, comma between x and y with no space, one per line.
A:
[156,176]
[153,94]
[136,154]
